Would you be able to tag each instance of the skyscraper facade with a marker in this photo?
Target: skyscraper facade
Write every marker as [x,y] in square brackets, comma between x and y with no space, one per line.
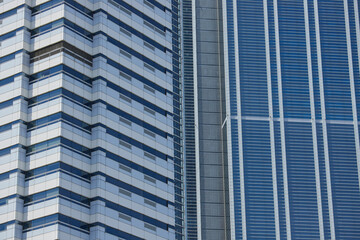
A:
[95,99]
[205,150]
[90,119]
[286,73]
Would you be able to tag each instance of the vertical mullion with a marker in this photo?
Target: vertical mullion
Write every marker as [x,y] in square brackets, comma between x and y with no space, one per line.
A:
[282,123]
[271,122]
[228,121]
[352,86]
[239,122]
[313,121]
[323,121]
[196,120]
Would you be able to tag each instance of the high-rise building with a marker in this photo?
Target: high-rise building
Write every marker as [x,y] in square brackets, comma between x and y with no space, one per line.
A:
[276,92]
[95,99]
[90,119]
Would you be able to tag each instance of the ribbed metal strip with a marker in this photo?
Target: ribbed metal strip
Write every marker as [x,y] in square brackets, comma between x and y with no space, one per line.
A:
[196,121]
[323,120]
[313,122]
[227,121]
[352,85]
[282,124]
[239,123]
[271,121]
[190,202]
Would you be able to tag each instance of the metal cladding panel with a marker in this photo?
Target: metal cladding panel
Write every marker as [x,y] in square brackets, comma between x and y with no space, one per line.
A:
[292,71]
